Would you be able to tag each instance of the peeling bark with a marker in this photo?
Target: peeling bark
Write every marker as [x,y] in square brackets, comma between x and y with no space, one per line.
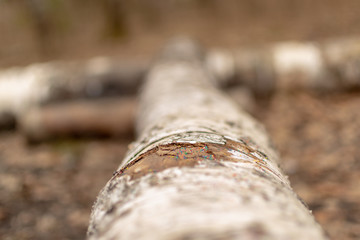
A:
[201,168]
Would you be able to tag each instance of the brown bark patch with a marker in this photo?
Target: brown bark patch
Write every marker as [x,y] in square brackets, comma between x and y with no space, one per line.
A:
[190,155]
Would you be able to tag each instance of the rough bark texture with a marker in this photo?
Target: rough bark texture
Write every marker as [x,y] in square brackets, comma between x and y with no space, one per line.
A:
[200,169]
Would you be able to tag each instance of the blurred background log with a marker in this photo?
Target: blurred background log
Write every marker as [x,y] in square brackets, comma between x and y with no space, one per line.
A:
[328,66]
[22,89]
[319,67]
[101,118]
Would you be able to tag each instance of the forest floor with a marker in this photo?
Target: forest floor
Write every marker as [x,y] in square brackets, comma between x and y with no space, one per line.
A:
[47,190]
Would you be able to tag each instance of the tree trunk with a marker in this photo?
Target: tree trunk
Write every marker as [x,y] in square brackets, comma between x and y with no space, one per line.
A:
[200,169]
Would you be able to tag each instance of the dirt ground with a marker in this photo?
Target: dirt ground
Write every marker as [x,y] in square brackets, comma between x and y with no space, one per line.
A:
[47,189]
[318,140]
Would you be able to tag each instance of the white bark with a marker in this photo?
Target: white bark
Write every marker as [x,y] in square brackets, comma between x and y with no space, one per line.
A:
[24,88]
[331,65]
[200,169]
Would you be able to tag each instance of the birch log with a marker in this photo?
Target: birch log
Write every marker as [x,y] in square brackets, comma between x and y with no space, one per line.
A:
[326,66]
[201,168]
[100,118]
[22,89]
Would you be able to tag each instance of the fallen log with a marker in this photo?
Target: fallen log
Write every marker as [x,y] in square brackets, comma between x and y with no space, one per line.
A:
[101,118]
[201,168]
[24,88]
[327,66]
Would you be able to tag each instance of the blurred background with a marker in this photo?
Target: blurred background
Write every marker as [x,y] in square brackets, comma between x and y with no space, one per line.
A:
[49,180]
[38,30]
